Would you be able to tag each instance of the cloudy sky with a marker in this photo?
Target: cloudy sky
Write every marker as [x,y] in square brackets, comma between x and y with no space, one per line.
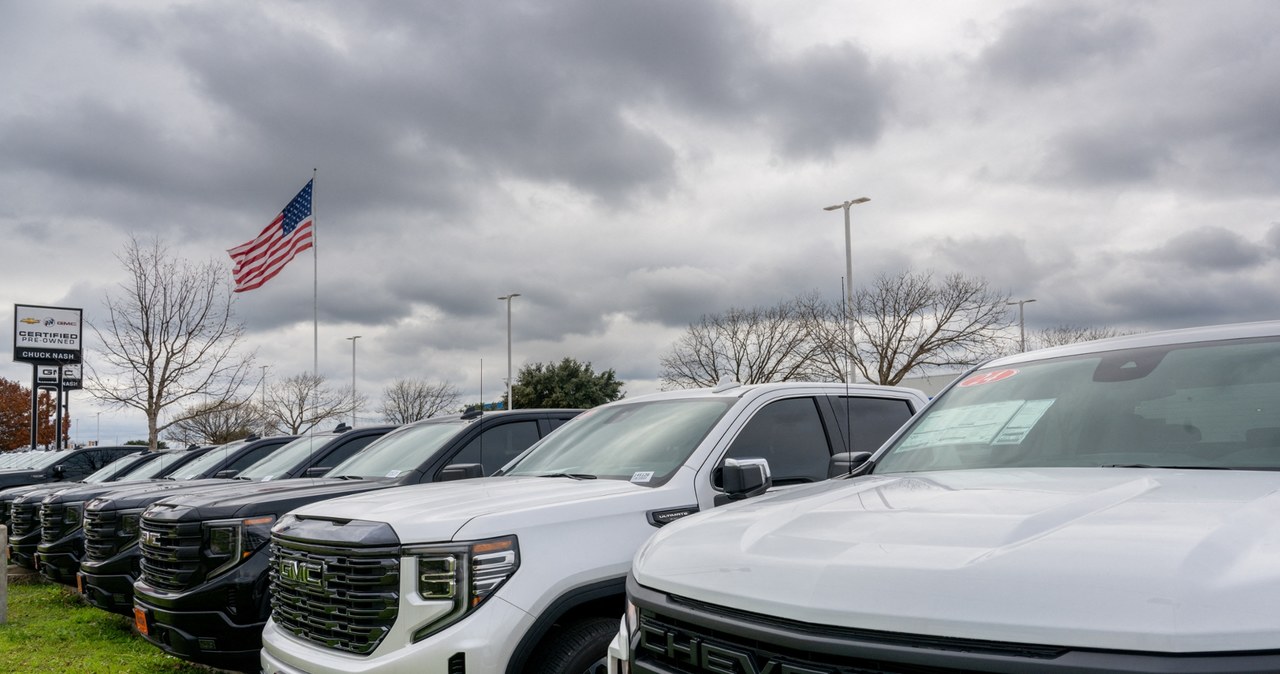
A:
[630,166]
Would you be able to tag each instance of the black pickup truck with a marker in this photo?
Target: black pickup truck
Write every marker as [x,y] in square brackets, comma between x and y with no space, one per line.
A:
[111,560]
[205,572]
[115,471]
[65,465]
[53,542]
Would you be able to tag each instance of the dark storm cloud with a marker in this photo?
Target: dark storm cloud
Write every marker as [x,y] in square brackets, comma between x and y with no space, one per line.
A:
[1212,249]
[1047,42]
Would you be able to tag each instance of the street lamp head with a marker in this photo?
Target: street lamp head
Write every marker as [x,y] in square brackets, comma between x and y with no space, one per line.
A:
[352,339]
[859,200]
[507,297]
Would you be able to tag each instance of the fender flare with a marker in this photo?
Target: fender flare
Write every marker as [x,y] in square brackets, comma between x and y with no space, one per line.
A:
[560,606]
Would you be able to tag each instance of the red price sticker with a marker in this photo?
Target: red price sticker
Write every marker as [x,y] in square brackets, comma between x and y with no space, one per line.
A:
[987,378]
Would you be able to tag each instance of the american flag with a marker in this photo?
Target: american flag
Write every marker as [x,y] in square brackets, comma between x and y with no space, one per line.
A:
[259,260]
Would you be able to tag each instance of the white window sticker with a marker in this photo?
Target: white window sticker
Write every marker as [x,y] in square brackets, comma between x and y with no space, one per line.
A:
[963,425]
[642,477]
[394,473]
[267,478]
[1022,422]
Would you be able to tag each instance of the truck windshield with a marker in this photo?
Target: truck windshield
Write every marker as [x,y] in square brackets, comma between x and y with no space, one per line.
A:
[156,466]
[399,451]
[281,462]
[110,469]
[1200,406]
[206,462]
[643,442]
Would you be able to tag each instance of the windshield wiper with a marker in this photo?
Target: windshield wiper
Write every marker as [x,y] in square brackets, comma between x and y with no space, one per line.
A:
[242,477]
[348,477]
[576,476]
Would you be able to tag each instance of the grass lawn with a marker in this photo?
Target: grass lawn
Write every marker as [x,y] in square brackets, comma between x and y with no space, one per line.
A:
[49,629]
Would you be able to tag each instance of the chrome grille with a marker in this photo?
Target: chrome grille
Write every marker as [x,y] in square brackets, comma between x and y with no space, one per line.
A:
[171,554]
[341,598]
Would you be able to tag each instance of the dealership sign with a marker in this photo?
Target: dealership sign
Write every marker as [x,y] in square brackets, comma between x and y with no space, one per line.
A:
[46,335]
[47,376]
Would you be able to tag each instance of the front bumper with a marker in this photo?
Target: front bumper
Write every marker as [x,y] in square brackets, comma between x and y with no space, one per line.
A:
[108,584]
[60,560]
[482,643]
[218,623]
[22,550]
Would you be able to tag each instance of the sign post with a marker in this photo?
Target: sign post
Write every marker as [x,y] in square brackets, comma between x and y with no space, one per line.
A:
[50,339]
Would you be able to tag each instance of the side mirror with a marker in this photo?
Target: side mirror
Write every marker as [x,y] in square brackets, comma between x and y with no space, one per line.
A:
[845,463]
[226,473]
[461,471]
[316,471]
[744,478]
[58,472]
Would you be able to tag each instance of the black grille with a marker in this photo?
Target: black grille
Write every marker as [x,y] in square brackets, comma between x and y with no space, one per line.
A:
[102,536]
[341,598]
[171,554]
[52,528]
[23,520]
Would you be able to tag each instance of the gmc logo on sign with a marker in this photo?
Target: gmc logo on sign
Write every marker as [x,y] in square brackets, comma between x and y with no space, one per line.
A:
[708,657]
[301,573]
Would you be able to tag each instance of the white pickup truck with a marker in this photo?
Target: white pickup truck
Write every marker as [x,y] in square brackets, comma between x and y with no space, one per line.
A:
[525,572]
[1103,507]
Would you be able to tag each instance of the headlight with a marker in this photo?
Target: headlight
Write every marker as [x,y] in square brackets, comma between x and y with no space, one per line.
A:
[461,576]
[129,521]
[71,514]
[229,542]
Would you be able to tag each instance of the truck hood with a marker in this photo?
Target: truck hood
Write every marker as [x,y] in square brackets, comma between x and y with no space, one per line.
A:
[139,494]
[1120,558]
[250,499]
[490,506]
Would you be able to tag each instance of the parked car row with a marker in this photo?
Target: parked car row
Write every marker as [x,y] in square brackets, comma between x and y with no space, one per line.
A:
[390,562]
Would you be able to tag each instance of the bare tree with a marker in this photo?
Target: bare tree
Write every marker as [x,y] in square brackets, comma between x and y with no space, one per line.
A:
[169,338]
[762,344]
[217,424]
[299,403]
[1070,334]
[907,322]
[407,400]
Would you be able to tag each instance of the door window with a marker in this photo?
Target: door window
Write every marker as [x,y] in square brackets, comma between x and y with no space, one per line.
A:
[498,445]
[788,434]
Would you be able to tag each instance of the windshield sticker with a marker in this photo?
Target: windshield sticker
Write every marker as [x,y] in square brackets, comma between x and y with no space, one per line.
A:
[1022,422]
[394,473]
[974,424]
[987,378]
[641,477]
[267,478]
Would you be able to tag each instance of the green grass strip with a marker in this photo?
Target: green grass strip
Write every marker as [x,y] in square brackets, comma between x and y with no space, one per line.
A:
[51,630]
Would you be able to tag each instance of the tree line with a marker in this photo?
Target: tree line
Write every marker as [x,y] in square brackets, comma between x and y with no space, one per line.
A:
[172,350]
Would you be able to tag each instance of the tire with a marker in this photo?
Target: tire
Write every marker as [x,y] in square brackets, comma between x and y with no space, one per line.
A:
[579,648]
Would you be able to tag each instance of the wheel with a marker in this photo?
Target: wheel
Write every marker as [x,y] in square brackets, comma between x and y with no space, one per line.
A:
[578,648]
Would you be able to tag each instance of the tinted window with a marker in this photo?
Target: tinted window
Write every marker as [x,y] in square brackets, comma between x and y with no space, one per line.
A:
[874,420]
[498,445]
[79,465]
[788,434]
[250,457]
[346,451]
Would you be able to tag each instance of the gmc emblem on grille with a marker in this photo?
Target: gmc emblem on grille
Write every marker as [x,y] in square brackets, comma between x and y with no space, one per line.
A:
[716,658]
[301,573]
[149,538]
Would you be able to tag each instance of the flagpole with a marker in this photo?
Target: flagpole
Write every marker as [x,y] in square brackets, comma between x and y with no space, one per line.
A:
[315,281]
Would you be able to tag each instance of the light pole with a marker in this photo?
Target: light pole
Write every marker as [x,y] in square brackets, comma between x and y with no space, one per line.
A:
[262,383]
[1022,329]
[353,379]
[848,277]
[98,440]
[511,403]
